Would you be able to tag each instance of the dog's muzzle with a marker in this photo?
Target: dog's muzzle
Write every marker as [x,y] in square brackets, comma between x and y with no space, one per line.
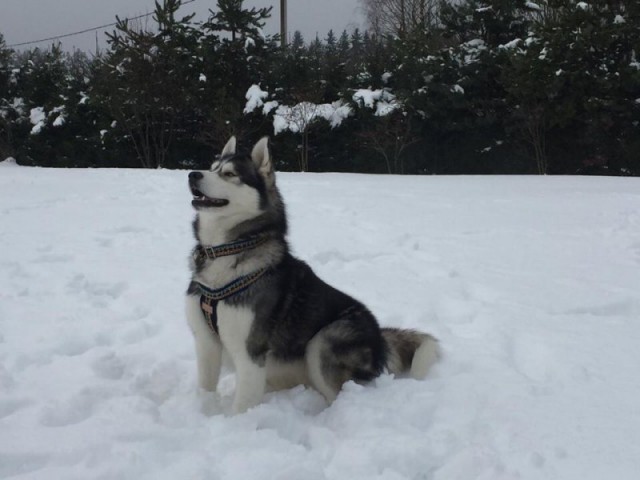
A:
[200,200]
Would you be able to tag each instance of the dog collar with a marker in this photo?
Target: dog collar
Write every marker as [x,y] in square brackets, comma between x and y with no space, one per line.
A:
[202,253]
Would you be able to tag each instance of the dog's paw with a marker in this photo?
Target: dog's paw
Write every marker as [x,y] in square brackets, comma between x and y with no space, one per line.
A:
[210,403]
[241,405]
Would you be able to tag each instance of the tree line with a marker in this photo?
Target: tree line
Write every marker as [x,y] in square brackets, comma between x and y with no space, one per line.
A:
[430,87]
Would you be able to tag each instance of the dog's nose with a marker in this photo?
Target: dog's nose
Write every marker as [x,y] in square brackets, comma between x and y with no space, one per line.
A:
[193,176]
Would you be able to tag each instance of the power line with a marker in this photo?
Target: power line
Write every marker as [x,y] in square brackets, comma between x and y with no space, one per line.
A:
[93,29]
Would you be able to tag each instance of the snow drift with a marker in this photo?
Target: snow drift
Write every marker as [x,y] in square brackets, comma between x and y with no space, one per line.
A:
[530,283]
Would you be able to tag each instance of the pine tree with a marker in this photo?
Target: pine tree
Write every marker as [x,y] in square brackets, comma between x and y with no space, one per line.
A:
[344,45]
[356,42]
[578,69]
[241,23]
[8,113]
[495,22]
[140,77]
[233,65]
[297,43]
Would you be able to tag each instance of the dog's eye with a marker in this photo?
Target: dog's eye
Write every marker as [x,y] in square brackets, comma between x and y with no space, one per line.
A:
[229,174]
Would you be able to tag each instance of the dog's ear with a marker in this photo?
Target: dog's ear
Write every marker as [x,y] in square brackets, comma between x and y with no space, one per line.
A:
[262,161]
[230,147]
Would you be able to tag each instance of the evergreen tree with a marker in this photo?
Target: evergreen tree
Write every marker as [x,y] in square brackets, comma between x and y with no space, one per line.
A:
[344,45]
[495,22]
[297,43]
[356,42]
[140,77]
[496,86]
[577,71]
[233,64]
[241,23]
[8,107]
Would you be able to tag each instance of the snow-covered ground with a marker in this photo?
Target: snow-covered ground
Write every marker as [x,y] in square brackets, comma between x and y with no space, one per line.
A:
[532,284]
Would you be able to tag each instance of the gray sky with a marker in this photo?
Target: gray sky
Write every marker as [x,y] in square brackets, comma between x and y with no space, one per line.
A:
[25,20]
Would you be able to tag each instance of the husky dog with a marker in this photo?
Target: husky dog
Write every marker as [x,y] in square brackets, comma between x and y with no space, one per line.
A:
[280,324]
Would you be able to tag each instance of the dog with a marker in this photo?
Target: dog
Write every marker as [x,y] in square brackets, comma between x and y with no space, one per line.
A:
[280,324]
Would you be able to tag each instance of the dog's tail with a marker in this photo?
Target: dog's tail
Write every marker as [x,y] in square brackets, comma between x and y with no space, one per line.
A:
[410,352]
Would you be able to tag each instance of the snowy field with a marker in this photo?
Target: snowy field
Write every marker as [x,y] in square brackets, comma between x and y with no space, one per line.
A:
[532,285]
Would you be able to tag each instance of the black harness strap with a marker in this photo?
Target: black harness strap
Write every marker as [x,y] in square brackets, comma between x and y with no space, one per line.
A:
[209,297]
[208,307]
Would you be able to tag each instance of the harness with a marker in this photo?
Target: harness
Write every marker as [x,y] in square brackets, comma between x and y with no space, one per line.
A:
[209,297]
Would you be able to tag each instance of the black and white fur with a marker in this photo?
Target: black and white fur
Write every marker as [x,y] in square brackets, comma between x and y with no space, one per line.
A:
[289,327]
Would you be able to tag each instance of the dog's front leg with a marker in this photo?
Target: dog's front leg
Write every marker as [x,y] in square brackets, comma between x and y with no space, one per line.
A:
[250,384]
[208,346]
[235,327]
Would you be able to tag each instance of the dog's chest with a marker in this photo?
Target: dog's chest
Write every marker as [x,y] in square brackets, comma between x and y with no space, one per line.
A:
[218,273]
[234,324]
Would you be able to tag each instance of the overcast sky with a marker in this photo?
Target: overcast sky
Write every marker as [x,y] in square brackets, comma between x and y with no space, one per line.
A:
[25,20]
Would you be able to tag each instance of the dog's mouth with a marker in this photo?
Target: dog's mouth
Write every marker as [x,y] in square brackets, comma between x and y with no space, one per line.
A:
[200,200]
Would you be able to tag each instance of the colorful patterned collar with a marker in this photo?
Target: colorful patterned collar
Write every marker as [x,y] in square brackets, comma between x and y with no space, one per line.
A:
[202,253]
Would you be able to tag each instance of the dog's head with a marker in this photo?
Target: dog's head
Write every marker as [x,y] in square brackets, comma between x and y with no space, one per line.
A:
[238,187]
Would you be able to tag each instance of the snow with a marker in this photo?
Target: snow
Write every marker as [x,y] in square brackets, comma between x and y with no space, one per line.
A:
[619,20]
[510,45]
[339,113]
[473,49]
[582,5]
[299,117]
[530,40]
[367,97]
[530,283]
[532,6]
[269,106]
[38,119]
[457,89]
[8,162]
[255,98]
[16,104]
[382,100]
[61,118]
[476,42]
[202,78]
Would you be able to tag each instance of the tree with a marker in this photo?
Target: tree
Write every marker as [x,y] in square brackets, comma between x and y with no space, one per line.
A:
[390,136]
[8,107]
[574,74]
[232,17]
[400,17]
[140,77]
[231,65]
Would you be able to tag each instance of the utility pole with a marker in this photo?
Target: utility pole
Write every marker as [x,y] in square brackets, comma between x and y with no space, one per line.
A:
[283,23]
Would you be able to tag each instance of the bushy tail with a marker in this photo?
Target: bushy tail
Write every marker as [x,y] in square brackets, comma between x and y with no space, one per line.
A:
[410,352]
